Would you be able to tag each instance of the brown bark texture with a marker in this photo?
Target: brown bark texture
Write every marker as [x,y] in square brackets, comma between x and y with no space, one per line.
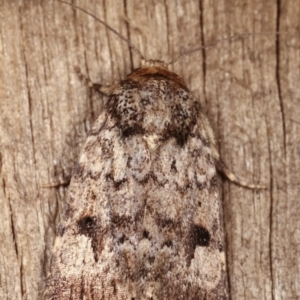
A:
[248,87]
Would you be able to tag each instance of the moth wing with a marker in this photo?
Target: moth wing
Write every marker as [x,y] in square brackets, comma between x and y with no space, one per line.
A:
[142,215]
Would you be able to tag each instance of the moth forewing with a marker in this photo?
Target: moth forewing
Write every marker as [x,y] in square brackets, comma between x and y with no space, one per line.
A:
[142,216]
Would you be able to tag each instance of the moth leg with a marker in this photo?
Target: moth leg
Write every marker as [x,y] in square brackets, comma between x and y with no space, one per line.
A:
[64,182]
[220,165]
[222,168]
[105,90]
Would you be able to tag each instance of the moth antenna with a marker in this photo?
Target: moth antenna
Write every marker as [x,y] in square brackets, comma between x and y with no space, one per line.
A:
[127,41]
[231,38]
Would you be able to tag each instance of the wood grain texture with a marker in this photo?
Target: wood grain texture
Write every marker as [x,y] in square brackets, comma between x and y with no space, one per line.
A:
[248,87]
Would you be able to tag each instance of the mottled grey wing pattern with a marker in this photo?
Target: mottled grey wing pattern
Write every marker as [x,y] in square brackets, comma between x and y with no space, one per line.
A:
[142,216]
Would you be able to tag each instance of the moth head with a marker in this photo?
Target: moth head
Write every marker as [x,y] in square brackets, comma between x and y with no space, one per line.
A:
[154,63]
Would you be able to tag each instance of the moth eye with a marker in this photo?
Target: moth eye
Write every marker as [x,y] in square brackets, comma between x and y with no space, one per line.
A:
[87,225]
[201,235]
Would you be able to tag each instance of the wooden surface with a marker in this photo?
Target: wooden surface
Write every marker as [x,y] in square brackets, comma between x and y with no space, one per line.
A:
[249,89]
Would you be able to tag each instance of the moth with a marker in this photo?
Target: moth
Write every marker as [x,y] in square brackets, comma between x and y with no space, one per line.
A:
[142,215]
